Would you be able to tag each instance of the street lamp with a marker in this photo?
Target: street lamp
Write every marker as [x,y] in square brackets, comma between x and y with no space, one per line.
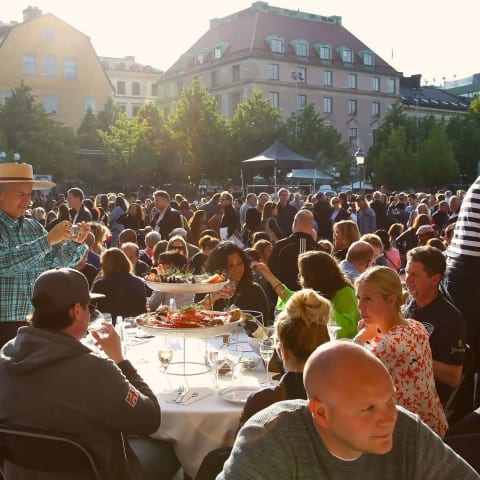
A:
[360,158]
[15,157]
[297,75]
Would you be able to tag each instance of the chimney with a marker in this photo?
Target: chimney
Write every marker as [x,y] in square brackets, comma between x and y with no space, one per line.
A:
[30,13]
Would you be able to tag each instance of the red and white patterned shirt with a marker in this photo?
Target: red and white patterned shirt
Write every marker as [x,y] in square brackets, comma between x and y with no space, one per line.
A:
[405,351]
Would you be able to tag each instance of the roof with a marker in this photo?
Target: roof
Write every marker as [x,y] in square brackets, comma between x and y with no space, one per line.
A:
[127,64]
[245,33]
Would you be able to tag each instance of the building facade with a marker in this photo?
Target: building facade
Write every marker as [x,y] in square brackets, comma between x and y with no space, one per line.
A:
[468,87]
[294,58]
[57,62]
[135,84]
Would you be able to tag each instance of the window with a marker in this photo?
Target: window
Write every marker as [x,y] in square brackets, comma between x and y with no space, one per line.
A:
[368,59]
[135,88]
[278,45]
[214,78]
[179,87]
[274,98]
[154,90]
[325,52]
[327,78]
[122,107]
[273,71]
[375,109]
[235,99]
[4,95]
[90,103]
[50,103]
[50,66]
[217,53]
[327,104]
[391,85]
[352,107]
[301,102]
[29,64]
[121,87]
[302,48]
[347,55]
[301,75]
[352,134]
[218,99]
[235,73]
[135,109]
[49,35]
[200,58]
[352,80]
[70,68]
[376,84]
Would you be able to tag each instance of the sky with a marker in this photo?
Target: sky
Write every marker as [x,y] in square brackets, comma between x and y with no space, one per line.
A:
[433,38]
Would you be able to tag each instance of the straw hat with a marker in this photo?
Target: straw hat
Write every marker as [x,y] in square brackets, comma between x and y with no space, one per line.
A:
[21,172]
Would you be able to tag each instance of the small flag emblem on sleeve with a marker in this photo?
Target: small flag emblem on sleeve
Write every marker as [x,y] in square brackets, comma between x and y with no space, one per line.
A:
[132,396]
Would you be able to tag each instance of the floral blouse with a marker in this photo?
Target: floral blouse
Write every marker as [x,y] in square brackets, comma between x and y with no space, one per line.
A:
[405,351]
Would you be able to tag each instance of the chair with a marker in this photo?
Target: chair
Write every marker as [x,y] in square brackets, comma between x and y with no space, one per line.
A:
[467,447]
[43,451]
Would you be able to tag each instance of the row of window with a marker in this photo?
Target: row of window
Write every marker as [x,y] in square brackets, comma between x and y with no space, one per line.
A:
[50,66]
[327,104]
[51,104]
[135,88]
[325,51]
[300,76]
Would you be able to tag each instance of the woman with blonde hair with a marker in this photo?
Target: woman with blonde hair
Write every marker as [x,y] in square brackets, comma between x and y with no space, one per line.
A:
[345,233]
[269,223]
[299,330]
[401,344]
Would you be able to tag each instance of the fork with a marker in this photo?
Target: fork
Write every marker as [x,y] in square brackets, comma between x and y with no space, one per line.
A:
[181,392]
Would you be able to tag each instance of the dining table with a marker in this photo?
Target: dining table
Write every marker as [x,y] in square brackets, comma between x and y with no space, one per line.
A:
[210,417]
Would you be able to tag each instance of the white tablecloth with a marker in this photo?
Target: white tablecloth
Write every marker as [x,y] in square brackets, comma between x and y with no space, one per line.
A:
[206,424]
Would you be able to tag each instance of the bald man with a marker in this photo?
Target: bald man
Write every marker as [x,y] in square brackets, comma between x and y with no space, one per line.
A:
[283,260]
[349,427]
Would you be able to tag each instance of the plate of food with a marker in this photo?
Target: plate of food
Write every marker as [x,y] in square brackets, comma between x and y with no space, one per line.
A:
[189,322]
[237,394]
[181,282]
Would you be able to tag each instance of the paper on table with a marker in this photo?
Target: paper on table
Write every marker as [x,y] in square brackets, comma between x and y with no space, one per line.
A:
[193,395]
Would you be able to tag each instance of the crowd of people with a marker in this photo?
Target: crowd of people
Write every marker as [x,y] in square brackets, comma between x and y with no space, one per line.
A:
[393,272]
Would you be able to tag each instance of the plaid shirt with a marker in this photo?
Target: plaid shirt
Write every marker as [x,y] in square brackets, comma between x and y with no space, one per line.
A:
[24,254]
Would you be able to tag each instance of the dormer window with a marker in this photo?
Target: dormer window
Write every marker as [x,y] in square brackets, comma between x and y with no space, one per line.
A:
[368,59]
[347,55]
[200,58]
[217,53]
[324,51]
[278,45]
[302,48]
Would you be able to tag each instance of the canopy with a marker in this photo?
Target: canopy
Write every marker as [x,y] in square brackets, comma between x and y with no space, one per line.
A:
[309,174]
[279,156]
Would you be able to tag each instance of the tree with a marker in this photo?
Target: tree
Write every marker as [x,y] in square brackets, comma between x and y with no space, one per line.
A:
[199,135]
[88,131]
[436,164]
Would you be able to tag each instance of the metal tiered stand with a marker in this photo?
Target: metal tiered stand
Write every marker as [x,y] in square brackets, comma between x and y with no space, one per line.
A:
[184,367]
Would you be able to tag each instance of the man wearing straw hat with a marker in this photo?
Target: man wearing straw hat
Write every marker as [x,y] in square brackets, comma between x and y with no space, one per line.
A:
[26,248]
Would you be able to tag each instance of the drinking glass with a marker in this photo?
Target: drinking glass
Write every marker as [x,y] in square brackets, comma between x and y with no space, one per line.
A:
[215,360]
[232,358]
[267,348]
[333,329]
[230,288]
[165,355]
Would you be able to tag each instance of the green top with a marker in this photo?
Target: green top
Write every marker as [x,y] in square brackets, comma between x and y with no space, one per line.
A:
[345,310]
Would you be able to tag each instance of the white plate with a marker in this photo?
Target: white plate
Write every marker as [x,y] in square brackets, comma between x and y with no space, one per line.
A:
[237,395]
[185,287]
[200,332]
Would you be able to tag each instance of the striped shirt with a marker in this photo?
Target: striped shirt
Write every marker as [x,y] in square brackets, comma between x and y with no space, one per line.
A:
[24,254]
[466,237]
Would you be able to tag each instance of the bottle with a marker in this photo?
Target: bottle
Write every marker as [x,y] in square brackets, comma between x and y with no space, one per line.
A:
[253,328]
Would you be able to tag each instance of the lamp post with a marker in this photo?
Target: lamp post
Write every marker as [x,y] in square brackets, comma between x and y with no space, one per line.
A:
[360,158]
[297,76]
[353,172]
[15,157]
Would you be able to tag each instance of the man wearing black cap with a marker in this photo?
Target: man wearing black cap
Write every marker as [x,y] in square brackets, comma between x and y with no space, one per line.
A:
[51,380]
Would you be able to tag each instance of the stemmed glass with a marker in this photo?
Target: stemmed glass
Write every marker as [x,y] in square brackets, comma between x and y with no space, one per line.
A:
[333,329]
[165,355]
[215,360]
[232,358]
[267,348]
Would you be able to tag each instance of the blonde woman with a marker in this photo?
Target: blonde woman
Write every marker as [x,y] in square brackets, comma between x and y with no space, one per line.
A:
[345,233]
[400,343]
[299,329]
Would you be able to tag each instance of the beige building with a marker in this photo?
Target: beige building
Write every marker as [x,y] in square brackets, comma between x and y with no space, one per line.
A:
[294,58]
[57,62]
[135,84]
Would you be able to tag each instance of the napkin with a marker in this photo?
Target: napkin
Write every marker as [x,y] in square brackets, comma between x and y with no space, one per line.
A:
[192,396]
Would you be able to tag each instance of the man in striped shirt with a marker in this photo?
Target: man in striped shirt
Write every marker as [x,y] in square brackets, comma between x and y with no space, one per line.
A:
[26,248]
[462,277]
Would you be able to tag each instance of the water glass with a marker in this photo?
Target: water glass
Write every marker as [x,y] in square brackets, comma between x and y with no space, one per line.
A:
[267,349]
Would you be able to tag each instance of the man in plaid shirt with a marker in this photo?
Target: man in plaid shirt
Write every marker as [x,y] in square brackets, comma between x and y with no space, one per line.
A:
[26,248]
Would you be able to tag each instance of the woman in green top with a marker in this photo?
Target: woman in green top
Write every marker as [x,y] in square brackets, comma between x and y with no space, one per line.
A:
[320,271]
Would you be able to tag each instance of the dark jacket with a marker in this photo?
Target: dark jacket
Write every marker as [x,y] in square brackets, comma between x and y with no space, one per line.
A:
[124,295]
[229,220]
[284,257]
[322,213]
[285,217]
[51,380]
[170,221]
[84,215]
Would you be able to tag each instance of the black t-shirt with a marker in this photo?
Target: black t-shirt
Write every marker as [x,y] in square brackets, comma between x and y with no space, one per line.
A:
[447,333]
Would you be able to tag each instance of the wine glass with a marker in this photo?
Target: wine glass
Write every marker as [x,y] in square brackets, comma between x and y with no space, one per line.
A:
[229,289]
[215,361]
[267,348]
[165,355]
[232,358]
[333,329]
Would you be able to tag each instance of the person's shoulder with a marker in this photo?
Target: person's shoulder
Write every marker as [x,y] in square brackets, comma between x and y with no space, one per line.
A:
[282,413]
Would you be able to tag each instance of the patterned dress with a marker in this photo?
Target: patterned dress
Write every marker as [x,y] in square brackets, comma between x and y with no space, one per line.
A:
[405,351]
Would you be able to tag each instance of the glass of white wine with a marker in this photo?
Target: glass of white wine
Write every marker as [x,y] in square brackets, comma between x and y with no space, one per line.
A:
[165,355]
[267,348]
[215,360]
